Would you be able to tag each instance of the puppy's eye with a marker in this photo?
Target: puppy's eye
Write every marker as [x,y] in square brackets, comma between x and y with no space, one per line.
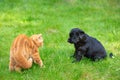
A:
[77,34]
[71,34]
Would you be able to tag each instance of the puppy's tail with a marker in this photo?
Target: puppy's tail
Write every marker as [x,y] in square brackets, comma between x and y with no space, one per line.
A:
[111,55]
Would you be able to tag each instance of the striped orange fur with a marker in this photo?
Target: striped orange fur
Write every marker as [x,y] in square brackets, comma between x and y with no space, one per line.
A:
[24,51]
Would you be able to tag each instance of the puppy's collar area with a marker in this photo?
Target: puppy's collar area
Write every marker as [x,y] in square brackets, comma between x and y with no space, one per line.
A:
[83,41]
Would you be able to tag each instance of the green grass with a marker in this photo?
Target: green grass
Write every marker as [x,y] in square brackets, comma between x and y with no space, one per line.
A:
[54,19]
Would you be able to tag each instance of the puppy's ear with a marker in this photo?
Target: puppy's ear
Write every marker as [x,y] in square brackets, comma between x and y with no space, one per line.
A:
[81,32]
[82,35]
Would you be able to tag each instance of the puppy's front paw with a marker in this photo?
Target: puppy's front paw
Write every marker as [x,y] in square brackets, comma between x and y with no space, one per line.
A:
[73,56]
[74,61]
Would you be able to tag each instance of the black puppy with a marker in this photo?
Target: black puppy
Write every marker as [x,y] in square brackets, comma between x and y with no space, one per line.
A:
[86,46]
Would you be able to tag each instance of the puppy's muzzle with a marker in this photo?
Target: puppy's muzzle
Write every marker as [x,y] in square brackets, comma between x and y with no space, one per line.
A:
[69,40]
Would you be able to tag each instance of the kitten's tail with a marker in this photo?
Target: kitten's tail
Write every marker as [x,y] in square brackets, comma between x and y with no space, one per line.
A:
[111,55]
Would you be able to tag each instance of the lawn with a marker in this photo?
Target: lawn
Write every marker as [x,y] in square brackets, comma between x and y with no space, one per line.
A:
[54,19]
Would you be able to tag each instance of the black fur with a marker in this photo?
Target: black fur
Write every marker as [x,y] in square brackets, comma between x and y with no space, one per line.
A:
[86,46]
[111,55]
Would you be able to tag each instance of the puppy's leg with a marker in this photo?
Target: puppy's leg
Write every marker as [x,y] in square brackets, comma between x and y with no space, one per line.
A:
[82,48]
[74,55]
[78,57]
[97,57]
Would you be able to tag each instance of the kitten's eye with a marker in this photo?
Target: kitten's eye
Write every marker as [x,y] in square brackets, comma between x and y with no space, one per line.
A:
[39,37]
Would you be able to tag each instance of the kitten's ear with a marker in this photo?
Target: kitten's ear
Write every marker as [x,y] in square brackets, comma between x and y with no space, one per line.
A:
[39,36]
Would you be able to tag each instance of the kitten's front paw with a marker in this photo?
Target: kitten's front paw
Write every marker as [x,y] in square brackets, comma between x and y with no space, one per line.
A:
[35,61]
[41,64]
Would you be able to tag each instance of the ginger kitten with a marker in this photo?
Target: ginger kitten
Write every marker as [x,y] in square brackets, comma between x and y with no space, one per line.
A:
[24,51]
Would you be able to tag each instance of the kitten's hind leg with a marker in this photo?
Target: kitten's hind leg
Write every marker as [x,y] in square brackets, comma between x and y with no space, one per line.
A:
[11,65]
[17,68]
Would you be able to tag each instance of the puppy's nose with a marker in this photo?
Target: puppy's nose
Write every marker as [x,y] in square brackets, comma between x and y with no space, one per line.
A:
[69,40]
